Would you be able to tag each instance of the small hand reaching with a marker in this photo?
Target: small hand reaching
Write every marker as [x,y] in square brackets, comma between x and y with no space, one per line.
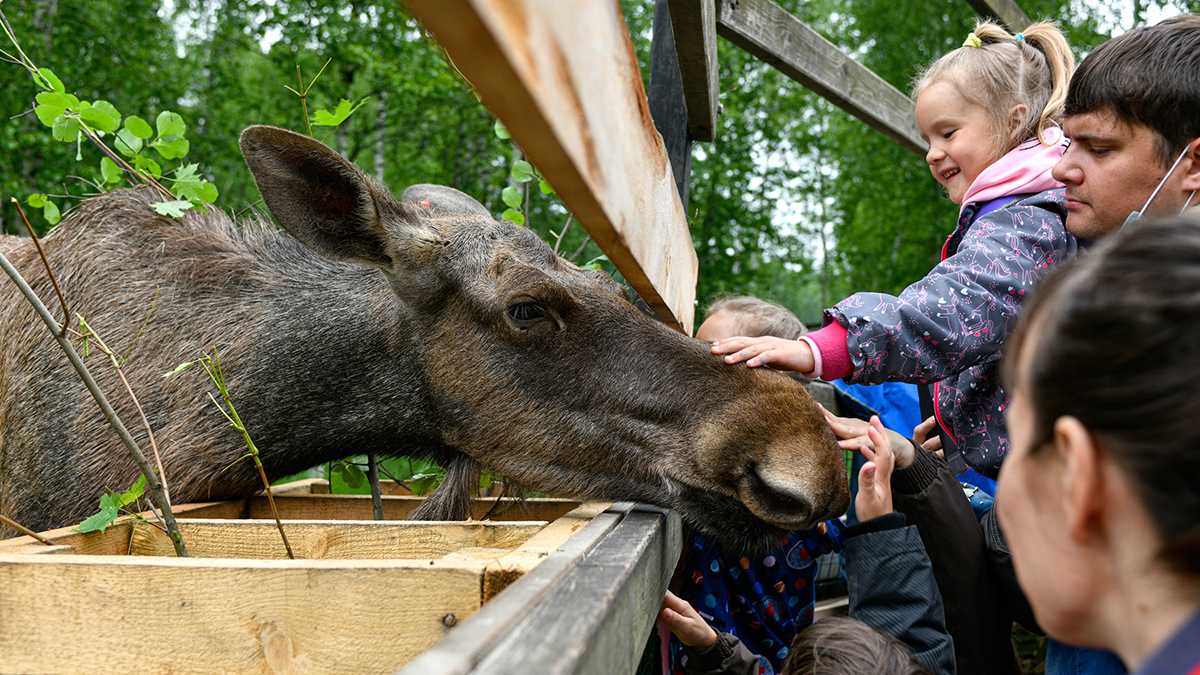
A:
[686,623]
[921,436]
[874,497]
[852,435]
[779,353]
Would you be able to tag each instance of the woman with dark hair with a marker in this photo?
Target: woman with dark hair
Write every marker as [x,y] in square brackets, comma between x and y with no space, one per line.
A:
[1099,497]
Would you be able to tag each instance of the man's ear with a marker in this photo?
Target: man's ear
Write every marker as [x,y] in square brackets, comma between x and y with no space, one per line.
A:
[1191,170]
[1083,485]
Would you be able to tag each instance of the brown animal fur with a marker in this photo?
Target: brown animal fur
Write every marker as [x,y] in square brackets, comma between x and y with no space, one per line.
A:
[423,327]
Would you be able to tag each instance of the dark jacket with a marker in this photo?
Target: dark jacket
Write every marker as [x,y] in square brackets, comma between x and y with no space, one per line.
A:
[892,589]
[949,326]
[973,597]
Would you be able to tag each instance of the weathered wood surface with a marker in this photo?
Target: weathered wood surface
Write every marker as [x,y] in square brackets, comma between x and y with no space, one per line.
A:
[1007,12]
[694,26]
[767,31]
[106,614]
[668,107]
[358,507]
[564,79]
[587,608]
[331,540]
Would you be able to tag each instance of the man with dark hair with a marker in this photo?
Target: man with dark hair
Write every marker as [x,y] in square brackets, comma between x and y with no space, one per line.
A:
[1133,117]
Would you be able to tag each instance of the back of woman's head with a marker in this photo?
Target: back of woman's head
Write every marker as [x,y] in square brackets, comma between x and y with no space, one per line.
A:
[1114,341]
[843,646]
[1031,68]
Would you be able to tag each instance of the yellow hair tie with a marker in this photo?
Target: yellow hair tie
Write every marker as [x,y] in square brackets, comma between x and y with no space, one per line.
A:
[972,41]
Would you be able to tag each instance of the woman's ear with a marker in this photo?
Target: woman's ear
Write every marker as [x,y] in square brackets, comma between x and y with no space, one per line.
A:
[1083,484]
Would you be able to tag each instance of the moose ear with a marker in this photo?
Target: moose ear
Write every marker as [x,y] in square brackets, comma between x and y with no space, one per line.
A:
[441,199]
[318,196]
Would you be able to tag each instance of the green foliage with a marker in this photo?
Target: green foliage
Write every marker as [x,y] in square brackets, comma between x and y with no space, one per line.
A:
[111,505]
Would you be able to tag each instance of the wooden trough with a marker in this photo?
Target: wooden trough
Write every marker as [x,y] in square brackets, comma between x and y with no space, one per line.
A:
[580,583]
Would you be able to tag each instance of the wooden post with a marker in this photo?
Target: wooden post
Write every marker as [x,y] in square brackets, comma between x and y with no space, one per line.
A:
[767,31]
[564,79]
[666,99]
[1006,11]
[694,27]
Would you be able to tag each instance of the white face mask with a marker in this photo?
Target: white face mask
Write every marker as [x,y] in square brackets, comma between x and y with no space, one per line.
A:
[1136,216]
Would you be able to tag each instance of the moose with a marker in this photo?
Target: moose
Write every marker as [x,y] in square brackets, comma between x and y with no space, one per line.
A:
[419,326]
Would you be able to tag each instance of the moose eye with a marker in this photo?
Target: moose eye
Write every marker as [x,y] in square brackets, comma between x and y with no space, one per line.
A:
[525,314]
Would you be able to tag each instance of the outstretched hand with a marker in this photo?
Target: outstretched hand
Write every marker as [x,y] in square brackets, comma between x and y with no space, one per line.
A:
[779,353]
[874,497]
[921,436]
[852,435]
[686,623]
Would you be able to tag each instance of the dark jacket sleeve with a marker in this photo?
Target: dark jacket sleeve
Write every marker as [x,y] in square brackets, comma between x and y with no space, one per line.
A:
[727,656]
[932,499]
[892,589]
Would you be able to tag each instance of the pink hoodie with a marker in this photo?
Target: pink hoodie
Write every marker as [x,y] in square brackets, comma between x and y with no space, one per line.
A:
[1024,170]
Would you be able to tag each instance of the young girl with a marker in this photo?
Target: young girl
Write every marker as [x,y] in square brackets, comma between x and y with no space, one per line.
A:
[989,111]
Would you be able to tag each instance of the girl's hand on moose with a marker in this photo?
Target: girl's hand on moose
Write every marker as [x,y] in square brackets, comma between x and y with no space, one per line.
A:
[779,353]
[874,497]
[686,623]
[853,435]
[921,436]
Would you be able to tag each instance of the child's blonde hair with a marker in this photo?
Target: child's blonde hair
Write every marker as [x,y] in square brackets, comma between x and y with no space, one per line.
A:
[1031,68]
[754,317]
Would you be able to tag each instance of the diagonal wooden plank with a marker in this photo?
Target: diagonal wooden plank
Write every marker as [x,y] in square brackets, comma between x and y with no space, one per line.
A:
[564,79]
[1006,11]
[694,23]
[767,31]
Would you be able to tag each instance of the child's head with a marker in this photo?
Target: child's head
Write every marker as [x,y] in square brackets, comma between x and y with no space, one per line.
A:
[995,92]
[750,317]
[843,646]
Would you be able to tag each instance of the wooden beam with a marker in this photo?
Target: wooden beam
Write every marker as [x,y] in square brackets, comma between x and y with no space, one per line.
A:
[694,25]
[767,31]
[666,99]
[564,79]
[1005,11]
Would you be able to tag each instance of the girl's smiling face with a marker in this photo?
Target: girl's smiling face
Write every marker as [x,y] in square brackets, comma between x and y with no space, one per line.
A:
[961,140]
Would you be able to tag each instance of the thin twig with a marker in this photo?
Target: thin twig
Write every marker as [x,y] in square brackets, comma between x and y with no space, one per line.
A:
[373,479]
[579,251]
[25,530]
[562,234]
[503,491]
[152,480]
[53,280]
[239,213]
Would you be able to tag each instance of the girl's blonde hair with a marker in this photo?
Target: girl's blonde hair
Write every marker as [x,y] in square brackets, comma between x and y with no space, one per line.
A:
[1032,69]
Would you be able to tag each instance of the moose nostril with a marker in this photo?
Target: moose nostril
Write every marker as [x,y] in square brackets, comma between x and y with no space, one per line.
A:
[776,497]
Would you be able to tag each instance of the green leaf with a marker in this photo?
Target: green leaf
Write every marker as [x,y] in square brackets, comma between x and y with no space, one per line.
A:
[55,83]
[522,171]
[324,118]
[172,149]
[174,209]
[100,521]
[190,185]
[502,131]
[50,211]
[138,127]
[102,115]
[147,165]
[180,368]
[513,216]
[170,124]
[46,114]
[545,187]
[424,482]
[208,193]
[128,143]
[134,493]
[36,201]
[353,475]
[511,196]
[594,263]
[51,105]
[110,171]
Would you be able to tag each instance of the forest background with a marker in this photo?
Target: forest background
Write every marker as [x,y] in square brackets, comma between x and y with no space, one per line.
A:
[795,201]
